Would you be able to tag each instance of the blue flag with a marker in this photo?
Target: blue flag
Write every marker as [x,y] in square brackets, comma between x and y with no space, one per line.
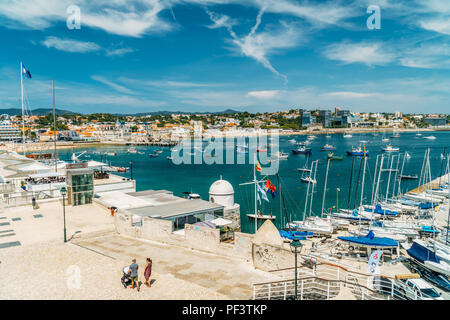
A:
[26,72]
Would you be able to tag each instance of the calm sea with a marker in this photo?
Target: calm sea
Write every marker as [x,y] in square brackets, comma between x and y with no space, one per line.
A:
[161,173]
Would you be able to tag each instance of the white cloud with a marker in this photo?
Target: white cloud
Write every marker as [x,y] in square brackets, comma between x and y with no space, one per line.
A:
[440,25]
[366,53]
[119,51]
[260,46]
[133,18]
[113,85]
[349,94]
[264,94]
[70,45]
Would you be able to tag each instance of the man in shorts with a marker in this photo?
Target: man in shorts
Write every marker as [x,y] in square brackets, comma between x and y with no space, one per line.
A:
[133,271]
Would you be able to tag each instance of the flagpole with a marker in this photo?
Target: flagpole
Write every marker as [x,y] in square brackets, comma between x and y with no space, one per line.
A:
[54,125]
[254,180]
[23,117]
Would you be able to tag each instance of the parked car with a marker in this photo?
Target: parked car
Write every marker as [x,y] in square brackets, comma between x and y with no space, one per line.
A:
[422,290]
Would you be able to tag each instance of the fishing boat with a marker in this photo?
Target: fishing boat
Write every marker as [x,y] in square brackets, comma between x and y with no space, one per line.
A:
[302,150]
[426,257]
[132,150]
[331,156]
[358,152]
[328,147]
[430,137]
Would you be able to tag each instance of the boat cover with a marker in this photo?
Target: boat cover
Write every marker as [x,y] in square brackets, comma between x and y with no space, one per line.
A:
[379,210]
[295,234]
[422,253]
[371,240]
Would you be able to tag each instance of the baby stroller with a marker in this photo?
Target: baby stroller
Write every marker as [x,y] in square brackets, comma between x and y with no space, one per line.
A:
[126,279]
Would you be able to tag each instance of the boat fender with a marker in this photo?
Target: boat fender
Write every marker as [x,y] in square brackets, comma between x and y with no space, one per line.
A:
[339,255]
[351,248]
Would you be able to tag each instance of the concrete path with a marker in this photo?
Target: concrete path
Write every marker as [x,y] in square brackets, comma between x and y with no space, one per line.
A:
[226,276]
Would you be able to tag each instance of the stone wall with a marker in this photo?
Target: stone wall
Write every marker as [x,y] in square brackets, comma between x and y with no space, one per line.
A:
[195,237]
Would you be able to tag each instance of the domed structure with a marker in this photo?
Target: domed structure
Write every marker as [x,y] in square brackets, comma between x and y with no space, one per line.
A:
[221,187]
[222,193]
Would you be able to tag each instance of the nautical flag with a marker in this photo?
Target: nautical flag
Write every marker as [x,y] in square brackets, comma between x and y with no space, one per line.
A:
[270,188]
[263,194]
[26,72]
[258,166]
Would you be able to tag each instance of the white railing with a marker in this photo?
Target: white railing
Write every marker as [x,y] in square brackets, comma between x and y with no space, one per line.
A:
[325,281]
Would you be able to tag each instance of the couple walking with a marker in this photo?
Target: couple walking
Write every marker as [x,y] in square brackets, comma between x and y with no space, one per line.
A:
[133,272]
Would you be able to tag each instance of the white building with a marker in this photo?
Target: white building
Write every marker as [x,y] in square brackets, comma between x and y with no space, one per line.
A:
[221,192]
[8,132]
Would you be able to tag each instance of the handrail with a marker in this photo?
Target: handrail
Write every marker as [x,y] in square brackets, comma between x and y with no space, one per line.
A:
[333,265]
[322,279]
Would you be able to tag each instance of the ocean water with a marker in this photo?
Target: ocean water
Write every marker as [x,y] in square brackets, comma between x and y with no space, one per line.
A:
[161,173]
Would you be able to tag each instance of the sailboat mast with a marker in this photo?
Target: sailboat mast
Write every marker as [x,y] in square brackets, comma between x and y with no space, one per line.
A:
[23,116]
[362,186]
[54,125]
[374,178]
[325,187]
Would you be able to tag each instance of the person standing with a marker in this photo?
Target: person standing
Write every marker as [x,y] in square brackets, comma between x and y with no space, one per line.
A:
[134,274]
[148,272]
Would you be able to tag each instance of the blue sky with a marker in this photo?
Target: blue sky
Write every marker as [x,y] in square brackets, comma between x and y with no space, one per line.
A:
[210,55]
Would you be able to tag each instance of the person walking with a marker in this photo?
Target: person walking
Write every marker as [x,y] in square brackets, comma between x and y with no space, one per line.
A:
[148,272]
[133,271]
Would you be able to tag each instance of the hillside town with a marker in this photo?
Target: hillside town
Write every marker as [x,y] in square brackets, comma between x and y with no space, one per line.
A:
[167,126]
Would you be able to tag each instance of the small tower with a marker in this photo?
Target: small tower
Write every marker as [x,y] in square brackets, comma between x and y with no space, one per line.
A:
[222,193]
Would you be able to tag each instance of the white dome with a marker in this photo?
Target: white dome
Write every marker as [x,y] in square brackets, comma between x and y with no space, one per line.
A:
[221,187]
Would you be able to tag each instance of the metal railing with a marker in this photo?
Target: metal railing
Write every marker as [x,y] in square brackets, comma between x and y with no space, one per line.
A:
[325,281]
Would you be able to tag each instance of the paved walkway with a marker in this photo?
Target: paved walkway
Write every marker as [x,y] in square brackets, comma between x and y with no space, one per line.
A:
[226,276]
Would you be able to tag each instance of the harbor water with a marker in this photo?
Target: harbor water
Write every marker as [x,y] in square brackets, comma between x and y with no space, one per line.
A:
[161,173]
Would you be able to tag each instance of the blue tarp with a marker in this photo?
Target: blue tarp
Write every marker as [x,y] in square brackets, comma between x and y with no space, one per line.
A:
[301,235]
[371,240]
[422,253]
[379,210]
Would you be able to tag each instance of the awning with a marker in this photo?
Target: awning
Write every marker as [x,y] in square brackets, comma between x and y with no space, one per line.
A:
[221,222]
[46,175]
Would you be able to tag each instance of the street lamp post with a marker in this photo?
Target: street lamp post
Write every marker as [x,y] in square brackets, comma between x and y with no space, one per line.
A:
[295,244]
[63,193]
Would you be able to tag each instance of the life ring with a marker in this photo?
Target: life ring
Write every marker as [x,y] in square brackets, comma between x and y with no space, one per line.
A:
[351,248]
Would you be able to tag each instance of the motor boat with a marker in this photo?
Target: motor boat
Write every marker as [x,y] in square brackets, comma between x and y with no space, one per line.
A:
[132,150]
[280,155]
[302,150]
[347,135]
[358,152]
[425,255]
[328,147]
[430,137]
[390,148]
[308,180]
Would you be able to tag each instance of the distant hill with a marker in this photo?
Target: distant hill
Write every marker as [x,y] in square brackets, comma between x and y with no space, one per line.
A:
[155,113]
[35,112]
[45,111]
